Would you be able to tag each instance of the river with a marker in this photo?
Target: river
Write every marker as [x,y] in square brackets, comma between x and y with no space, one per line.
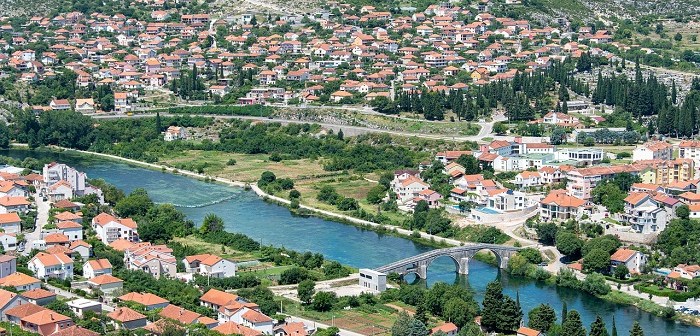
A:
[244,212]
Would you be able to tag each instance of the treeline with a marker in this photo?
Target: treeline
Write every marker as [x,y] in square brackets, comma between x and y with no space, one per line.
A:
[639,96]
[249,110]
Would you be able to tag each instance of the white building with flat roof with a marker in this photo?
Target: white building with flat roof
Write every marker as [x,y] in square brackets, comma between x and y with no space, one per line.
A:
[372,280]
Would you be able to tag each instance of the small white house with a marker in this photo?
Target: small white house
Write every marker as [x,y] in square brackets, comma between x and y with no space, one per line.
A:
[634,260]
[9,241]
[80,306]
[46,265]
[10,222]
[210,265]
[108,228]
[175,133]
[94,268]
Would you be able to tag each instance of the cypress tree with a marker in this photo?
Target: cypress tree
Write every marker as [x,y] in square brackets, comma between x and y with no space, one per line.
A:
[598,327]
[564,312]
[613,332]
[573,326]
[636,330]
[493,299]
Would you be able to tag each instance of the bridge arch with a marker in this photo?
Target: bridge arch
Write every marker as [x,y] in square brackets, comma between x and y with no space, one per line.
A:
[460,255]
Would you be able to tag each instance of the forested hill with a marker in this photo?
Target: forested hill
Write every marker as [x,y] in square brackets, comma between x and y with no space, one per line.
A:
[573,10]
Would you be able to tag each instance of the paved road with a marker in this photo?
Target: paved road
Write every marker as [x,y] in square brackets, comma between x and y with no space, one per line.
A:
[42,218]
[486,128]
[73,296]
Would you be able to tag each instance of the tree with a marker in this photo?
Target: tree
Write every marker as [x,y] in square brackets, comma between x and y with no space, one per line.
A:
[613,331]
[266,178]
[532,255]
[558,136]
[598,327]
[136,204]
[405,325]
[595,284]
[542,318]
[636,330]
[493,299]
[323,301]
[678,37]
[306,290]
[510,315]
[547,233]
[376,194]
[569,244]
[211,224]
[457,311]
[572,326]
[597,260]
[294,275]
[621,272]
[683,212]
[500,128]
[4,135]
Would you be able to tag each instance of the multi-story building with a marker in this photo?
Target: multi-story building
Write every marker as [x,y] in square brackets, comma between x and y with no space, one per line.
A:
[108,228]
[690,149]
[653,150]
[649,214]
[560,206]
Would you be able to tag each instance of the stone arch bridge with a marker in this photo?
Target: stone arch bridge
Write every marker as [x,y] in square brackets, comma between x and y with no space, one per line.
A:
[460,255]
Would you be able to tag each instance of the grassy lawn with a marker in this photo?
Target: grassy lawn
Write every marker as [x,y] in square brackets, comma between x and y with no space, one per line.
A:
[374,320]
[248,167]
[610,220]
[204,247]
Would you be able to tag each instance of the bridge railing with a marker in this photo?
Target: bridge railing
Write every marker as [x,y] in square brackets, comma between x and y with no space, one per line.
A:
[443,252]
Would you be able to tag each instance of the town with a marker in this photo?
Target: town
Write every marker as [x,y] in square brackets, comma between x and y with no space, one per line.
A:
[549,148]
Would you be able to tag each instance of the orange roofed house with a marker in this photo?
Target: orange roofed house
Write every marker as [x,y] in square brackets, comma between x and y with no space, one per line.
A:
[633,260]
[46,265]
[46,322]
[560,206]
[210,265]
[109,228]
[148,300]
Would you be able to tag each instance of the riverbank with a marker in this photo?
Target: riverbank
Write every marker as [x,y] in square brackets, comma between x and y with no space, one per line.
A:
[424,238]
[152,175]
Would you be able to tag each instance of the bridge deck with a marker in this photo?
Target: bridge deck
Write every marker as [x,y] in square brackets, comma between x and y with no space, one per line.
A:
[443,252]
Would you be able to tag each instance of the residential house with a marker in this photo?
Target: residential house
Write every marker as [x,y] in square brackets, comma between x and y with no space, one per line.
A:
[80,306]
[8,300]
[528,179]
[46,322]
[85,106]
[408,188]
[646,213]
[15,314]
[186,317]
[233,328]
[8,241]
[105,283]
[8,265]
[292,329]
[690,149]
[13,204]
[72,230]
[525,331]
[20,281]
[157,260]
[175,133]
[633,260]
[449,328]
[39,296]
[148,300]
[653,150]
[108,228]
[689,272]
[46,265]
[10,223]
[97,267]
[560,206]
[209,265]
[127,318]
[215,299]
